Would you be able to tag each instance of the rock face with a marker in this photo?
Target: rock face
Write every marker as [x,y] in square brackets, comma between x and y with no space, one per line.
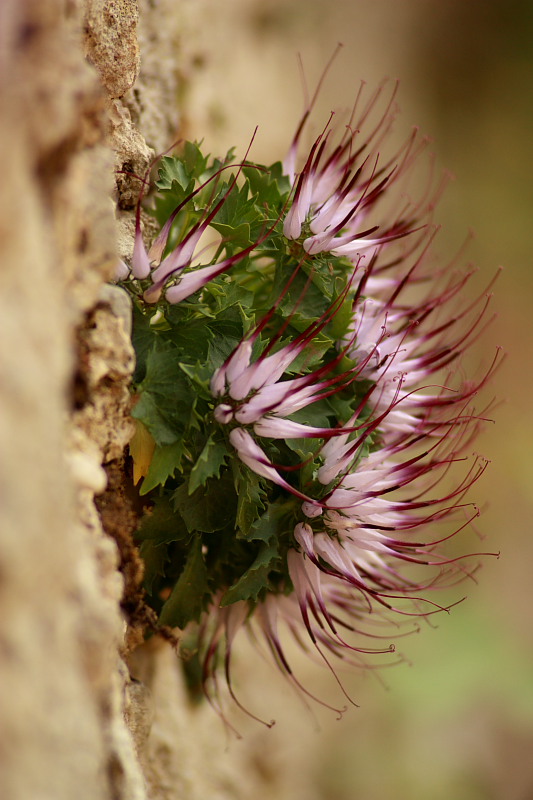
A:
[63,733]
[88,92]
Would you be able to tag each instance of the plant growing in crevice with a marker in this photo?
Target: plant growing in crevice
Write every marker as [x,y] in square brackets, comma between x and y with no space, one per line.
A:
[304,419]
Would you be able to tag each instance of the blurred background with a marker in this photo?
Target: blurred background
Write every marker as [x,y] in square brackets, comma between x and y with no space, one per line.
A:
[458,721]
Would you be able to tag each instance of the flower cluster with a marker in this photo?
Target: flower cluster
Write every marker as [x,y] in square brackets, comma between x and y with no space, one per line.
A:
[304,419]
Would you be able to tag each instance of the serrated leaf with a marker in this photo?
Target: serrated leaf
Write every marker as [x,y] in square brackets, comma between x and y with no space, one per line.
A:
[149,412]
[204,343]
[209,508]
[343,404]
[166,397]
[255,578]
[208,464]
[228,293]
[237,235]
[164,206]
[173,171]
[143,337]
[165,461]
[227,330]
[270,186]
[251,493]
[188,597]
[227,324]
[303,301]
[216,164]
[190,337]
[305,448]
[200,375]
[162,524]
[339,325]
[273,522]
[318,414]
[155,556]
[193,158]
[236,209]
[312,355]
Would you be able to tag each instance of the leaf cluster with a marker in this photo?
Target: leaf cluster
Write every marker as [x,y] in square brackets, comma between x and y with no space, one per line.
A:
[214,530]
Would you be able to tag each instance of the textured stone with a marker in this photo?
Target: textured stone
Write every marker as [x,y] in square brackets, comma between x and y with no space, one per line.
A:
[73,147]
[61,688]
[106,365]
[111,42]
[154,102]
[132,155]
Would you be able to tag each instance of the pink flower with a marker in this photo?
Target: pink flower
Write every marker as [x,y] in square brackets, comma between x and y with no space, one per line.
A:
[342,185]
[327,398]
[370,521]
[168,273]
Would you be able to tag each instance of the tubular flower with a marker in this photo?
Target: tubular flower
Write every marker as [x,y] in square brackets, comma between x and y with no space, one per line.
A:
[166,262]
[310,416]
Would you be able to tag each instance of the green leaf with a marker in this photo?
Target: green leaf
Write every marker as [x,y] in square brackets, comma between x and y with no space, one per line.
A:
[270,185]
[274,522]
[200,375]
[318,414]
[174,171]
[166,397]
[208,464]
[148,410]
[338,327]
[165,461]
[143,337]
[312,356]
[305,448]
[188,597]
[209,508]
[255,578]
[303,302]
[193,159]
[155,556]
[251,493]
[237,208]
[228,332]
[343,404]
[209,340]
[216,164]
[177,180]
[162,524]
[191,337]
[176,193]
[238,235]
[228,293]
[164,206]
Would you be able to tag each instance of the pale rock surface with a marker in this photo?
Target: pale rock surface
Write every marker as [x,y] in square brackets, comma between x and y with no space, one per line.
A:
[62,732]
[76,133]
